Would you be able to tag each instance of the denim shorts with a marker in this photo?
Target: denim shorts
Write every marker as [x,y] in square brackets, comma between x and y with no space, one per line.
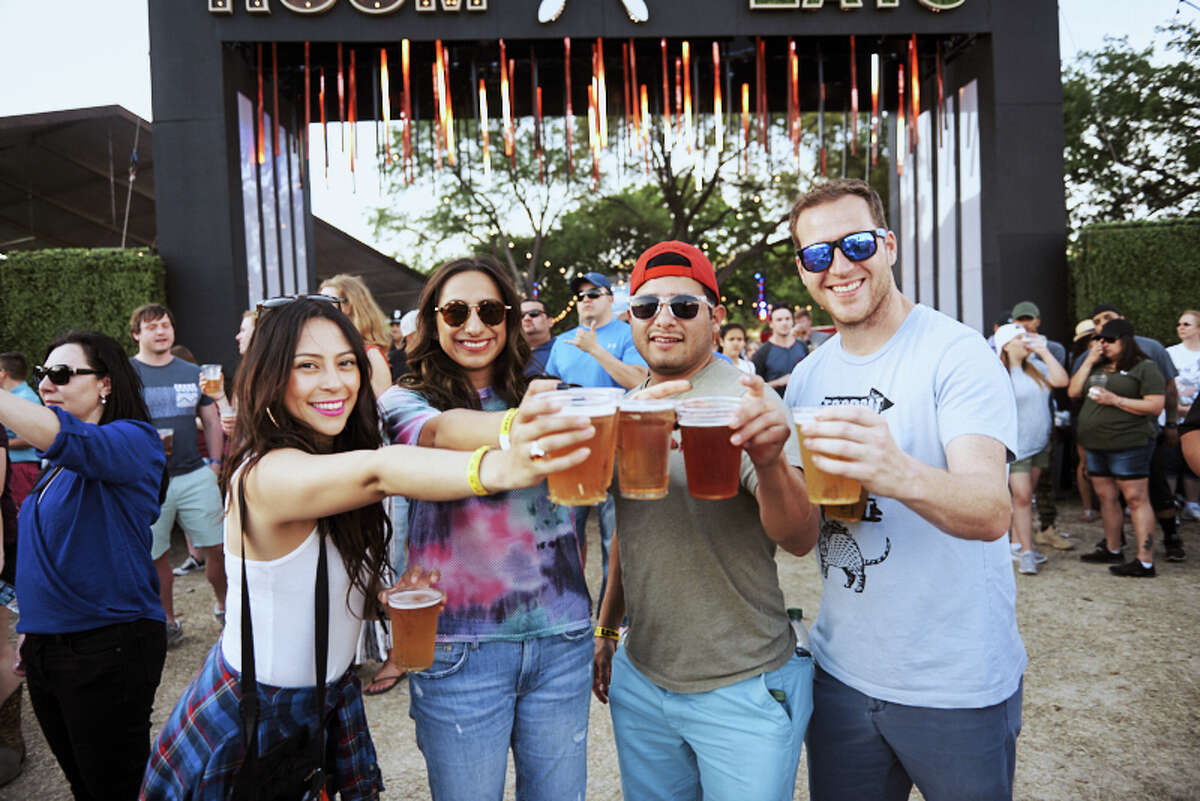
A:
[1121,465]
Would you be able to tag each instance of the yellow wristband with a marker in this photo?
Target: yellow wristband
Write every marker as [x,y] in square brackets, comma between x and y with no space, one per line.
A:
[608,634]
[473,470]
[506,427]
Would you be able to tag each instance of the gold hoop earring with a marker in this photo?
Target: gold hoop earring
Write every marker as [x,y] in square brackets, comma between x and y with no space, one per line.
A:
[272,417]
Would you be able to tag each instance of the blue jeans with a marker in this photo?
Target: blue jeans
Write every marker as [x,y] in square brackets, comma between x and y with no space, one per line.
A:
[1121,465]
[871,750]
[730,744]
[608,524]
[478,700]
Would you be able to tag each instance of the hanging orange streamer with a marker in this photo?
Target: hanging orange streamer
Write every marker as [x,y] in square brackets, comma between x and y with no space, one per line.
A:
[407,122]
[874,109]
[387,106]
[570,115]
[687,95]
[915,77]
[341,87]
[262,155]
[483,130]
[718,110]
[853,99]
[505,105]
[901,131]
[746,127]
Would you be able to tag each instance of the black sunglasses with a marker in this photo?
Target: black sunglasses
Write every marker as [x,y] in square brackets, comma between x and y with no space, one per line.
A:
[532,313]
[591,294]
[1109,340]
[457,312]
[682,307]
[283,300]
[859,246]
[60,374]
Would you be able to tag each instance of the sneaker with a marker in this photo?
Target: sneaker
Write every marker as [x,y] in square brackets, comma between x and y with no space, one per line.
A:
[1132,568]
[1103,543]
[1050,538]
[190,565]
[1028,563]
[1190,511]
[1102,555]
[1174,548]
[174,633]
[1038,557]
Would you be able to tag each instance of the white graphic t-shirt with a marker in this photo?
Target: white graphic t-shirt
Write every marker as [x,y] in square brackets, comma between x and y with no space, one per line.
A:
[909,613]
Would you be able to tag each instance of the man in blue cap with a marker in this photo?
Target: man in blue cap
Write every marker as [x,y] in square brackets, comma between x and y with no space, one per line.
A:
[599,352]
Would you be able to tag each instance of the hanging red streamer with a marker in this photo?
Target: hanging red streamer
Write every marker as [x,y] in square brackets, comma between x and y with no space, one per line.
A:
[341,87]
[901,130]
[570,114]
[274,101]
[941,92]
[353,110]
[853,99]
[666,90]
[386,94]
[760,89]
[746,127]
[915,94]
[307,109]
[324,124]
[407,133]
[718,106]
[262,155]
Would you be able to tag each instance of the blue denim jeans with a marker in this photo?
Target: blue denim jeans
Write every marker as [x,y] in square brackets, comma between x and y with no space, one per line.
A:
[478,700]
[871,750]
[608,524]
[730,744]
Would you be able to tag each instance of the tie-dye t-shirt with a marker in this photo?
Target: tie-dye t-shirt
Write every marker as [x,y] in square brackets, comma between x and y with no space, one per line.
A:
[509,562]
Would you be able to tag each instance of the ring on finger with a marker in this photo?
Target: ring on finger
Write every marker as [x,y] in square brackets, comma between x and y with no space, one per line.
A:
[536,451]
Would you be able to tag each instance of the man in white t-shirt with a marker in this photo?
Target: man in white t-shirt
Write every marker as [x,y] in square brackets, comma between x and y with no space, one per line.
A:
[919,660]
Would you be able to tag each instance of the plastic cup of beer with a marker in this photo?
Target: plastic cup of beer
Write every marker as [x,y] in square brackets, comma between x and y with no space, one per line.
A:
[712,462]
[414,615]
[210,374]
[823,488]
[167,435]
[586,484]
[643,444]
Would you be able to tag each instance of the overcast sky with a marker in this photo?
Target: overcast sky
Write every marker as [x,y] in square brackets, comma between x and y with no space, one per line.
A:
[96,53]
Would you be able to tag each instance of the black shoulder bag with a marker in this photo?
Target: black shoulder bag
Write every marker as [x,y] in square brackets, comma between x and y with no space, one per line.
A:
[295,769]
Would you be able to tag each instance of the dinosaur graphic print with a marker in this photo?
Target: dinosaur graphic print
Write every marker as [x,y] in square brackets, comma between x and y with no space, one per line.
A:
[838,549]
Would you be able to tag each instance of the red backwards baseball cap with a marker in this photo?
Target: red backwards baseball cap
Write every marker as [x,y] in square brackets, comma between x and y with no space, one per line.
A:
[673,258]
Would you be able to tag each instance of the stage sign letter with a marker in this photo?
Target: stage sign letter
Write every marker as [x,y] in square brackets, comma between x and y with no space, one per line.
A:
[308,6]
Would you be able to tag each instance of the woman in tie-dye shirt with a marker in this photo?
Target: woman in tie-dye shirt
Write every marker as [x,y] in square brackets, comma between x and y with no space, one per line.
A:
[514,656]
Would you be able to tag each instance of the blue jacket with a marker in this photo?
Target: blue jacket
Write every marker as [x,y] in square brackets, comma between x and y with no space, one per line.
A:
[83,557]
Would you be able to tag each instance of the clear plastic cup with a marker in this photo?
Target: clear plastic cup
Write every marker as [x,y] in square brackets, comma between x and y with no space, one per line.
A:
[586,484]
[823,488]
[414,615]
[643,445]
[712,462]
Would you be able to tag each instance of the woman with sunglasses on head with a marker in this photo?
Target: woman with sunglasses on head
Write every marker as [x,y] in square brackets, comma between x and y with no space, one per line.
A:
[1123,392]
[95,635]
[513,664]
[359,305]
[1032,379]
[309,466]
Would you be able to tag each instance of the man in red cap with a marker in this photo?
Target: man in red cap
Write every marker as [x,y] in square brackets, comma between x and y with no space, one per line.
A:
[710,696]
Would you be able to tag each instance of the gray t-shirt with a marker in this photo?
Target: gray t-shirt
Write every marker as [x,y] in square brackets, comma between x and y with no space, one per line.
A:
[1033,409]
[911,614]
[701,589]
[173,396]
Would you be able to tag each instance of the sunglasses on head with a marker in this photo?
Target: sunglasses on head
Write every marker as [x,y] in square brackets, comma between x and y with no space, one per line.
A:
[457,312]
[533,313]
[858,246]
[591,294]
[681,307]
[283,300]
[61,374]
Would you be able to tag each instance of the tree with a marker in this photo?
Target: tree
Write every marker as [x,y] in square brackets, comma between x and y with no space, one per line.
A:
[1133,131]
[733,207]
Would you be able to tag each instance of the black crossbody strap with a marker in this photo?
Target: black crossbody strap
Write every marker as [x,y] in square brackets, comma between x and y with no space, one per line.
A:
[249,682]
[322,645]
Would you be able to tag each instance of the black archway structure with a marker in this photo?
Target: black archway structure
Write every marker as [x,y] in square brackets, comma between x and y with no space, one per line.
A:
[978,206]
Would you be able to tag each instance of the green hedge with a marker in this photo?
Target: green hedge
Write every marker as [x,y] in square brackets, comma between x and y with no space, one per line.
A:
[46,292]
[1149,270]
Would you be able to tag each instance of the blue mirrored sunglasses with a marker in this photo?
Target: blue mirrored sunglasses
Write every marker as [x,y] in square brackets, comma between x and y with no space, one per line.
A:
[858,246]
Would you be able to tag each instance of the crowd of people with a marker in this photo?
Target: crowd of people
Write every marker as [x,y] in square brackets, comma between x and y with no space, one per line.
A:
[344,463]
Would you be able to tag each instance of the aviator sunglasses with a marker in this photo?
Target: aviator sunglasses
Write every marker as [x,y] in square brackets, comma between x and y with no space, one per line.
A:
[858,246]
[283,300]
[457,312]
[61,374]
[591,294]
[681,307]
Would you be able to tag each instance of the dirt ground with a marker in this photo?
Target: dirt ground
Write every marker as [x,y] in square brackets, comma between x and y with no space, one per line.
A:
[1111,705]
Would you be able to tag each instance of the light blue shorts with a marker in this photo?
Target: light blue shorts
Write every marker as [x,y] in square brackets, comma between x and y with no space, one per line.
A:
[194,501]
[730,744]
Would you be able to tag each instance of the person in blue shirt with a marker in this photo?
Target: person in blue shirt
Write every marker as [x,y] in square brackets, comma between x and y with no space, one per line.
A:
[14,369]
[599,352]
[95,632]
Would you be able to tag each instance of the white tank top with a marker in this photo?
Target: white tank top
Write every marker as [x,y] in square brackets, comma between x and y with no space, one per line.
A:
[282,597]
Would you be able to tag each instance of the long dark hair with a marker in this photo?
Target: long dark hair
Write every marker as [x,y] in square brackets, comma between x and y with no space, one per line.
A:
[264,424]
[125,401]
[1131,354]
[441,380]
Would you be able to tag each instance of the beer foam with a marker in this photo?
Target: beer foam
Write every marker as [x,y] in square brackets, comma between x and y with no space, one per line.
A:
[418,598]
[634,405]
[589,410]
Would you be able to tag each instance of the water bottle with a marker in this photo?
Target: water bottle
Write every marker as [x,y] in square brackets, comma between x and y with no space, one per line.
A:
[796,617]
